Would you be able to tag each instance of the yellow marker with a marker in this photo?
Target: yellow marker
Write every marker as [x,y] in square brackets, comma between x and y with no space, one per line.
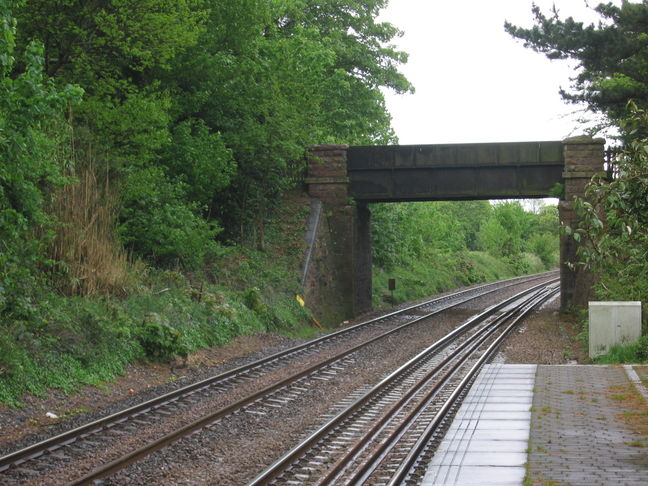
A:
[300,300]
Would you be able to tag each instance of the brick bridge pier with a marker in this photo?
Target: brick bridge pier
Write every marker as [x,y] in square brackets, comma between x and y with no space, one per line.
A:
[337,280]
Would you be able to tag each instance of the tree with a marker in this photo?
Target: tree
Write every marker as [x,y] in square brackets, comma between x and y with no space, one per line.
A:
[469,215]
[363,62]
[391,246]
[543,238]
[612,56]
[217,98]
[614,81]
[273,77]
[405,231]
[614,220]
[114,50]
[505,230]
[158,224]
[118,51]
[32,129]
[491,237]
[198,160]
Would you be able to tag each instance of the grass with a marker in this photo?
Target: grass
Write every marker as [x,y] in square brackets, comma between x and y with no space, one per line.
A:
[634,412]
[629,353]
[72,413]
[91,338]
[85,245]
[303,332]
[639,443]
[414,281]
[435,272]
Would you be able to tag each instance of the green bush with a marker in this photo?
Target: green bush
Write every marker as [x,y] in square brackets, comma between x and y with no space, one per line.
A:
[75,340]
[159,340]
[613,219]
[253,301]
[284,314]
[158,225]
[545,246]
[72,341]
[642,349]
[531,263]
[32,147]
[199,159]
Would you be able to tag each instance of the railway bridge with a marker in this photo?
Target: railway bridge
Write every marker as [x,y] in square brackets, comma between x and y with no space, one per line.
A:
[346,178]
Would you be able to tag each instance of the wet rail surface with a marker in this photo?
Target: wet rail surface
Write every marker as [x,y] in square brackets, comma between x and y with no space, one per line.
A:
[63,450]
[384,435]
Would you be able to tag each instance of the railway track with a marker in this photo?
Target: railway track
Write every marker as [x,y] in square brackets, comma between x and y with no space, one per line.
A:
[383,437]
[28,463]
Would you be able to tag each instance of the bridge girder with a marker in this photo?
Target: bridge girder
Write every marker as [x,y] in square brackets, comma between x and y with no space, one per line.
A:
[454,172]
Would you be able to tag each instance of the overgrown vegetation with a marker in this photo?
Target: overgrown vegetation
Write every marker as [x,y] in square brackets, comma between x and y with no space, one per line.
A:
[74,340]
[614,227]
[144,148]
[435,246]
[631,353]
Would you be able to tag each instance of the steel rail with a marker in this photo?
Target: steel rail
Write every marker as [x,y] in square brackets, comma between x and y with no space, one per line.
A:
[162,442]
[407,464]
[386,446]
[291,456]
[462,354]
[470,346]
[454,361]
[65,438]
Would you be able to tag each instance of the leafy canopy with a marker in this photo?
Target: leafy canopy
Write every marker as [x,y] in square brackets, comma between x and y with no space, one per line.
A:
[402,232]
[615,219]
[612,56]
[31,130]
[273,77]
[209,105]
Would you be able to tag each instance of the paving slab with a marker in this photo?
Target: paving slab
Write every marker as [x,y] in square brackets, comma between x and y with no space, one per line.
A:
[504,396]
[545,426]
[474,476]
[484,445]
[578,436]
[501,414]
[487,441]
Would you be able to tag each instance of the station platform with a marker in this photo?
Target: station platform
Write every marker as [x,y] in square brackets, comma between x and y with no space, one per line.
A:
[548,425]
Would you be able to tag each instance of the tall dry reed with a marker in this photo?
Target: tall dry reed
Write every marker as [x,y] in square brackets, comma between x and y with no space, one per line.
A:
[85,241]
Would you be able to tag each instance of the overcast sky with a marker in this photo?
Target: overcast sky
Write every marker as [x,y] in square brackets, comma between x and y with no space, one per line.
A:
[474,82]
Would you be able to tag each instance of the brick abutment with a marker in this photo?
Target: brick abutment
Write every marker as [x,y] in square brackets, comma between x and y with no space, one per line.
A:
[584,158]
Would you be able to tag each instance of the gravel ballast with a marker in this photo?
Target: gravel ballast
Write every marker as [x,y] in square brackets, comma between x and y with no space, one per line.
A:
[261,437]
